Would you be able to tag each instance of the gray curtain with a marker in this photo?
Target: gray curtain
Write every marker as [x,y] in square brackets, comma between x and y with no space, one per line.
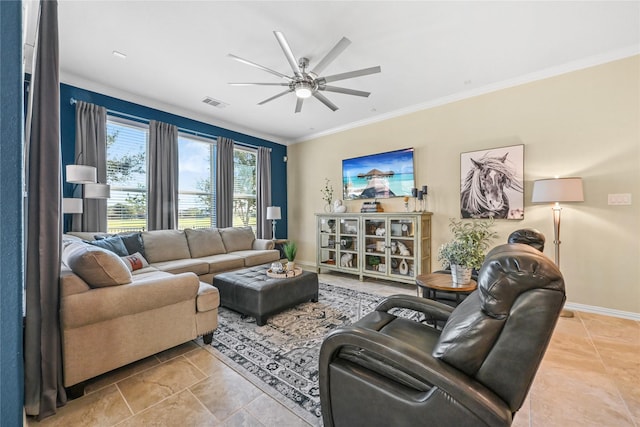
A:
[43,388]
[224,183]
[162,203]
[263,192]
[91,150]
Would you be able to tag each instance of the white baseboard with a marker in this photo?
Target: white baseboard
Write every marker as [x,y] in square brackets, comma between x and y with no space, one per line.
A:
[602,310]
[569,306]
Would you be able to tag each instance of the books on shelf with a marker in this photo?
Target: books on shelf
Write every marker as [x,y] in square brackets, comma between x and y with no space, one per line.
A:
[371,207]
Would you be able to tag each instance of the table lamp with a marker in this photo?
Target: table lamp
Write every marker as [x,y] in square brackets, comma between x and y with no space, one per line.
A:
[273,213]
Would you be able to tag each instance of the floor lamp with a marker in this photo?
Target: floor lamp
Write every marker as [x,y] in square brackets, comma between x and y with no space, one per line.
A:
[273,213]
[87,177]
[554,191]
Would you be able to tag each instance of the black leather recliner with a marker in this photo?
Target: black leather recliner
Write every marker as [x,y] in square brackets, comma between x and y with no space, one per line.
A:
[387,370]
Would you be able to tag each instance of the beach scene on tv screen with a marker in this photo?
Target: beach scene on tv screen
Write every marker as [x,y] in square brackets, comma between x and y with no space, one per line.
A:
[380,175]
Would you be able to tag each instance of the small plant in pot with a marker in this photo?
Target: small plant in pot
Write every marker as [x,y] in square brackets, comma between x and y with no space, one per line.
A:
[374,262]
[466,251]
[290,249]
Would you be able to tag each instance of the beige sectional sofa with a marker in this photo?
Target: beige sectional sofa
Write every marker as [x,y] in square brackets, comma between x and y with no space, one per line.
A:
[116,310]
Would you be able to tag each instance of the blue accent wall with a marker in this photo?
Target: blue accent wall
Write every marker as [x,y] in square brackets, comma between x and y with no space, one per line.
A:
[68,135]
[11,248]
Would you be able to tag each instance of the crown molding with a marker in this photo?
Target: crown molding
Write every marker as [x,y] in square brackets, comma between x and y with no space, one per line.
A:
[505,84]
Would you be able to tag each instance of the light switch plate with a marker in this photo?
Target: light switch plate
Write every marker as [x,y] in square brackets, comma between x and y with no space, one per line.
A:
[619,199]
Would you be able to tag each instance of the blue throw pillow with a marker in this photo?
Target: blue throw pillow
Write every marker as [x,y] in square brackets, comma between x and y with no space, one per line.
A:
[113,244]
[133,243]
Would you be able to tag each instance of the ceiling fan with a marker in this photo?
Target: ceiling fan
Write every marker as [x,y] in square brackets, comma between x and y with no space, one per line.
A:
[306,83]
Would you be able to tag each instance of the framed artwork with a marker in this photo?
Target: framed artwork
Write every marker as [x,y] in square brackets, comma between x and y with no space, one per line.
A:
[492,183]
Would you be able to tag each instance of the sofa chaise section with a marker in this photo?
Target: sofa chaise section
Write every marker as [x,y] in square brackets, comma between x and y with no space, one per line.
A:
[111,317]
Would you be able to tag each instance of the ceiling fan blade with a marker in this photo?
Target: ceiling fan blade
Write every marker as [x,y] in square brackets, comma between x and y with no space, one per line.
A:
[344,90]
[299,104]
[253,64]
[349,75]
[333,54]
[275,96]
[259,84]
[288,53]
[325,101]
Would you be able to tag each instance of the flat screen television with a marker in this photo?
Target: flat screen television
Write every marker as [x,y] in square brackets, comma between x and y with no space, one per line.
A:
[379,175]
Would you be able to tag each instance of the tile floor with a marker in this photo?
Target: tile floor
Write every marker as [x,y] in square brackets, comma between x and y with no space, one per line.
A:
[590,376]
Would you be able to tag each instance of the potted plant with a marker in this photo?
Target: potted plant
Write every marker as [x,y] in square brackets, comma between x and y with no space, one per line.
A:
[467,249]
[290,249]
[374,262]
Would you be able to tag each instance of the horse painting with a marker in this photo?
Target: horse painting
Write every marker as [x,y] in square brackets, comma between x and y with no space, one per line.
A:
[483,190]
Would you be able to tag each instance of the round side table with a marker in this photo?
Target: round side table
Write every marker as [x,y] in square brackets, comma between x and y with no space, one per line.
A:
[428,284]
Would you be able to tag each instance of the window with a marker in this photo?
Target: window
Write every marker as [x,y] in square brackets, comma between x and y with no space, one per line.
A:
[244,188]
[196,192]
[127,175]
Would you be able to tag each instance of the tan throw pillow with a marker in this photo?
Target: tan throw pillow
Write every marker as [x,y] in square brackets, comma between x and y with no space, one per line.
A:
[98,267]
[135,261]
[204,242]
[237,238]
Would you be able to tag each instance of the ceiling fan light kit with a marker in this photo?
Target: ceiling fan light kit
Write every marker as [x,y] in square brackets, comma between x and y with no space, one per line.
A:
[303,89]
[305,84]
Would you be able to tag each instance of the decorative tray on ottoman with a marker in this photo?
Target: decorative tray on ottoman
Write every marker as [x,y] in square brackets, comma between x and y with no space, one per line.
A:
[296,272]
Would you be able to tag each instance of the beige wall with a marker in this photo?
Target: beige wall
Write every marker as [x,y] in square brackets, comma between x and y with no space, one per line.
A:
[584,123]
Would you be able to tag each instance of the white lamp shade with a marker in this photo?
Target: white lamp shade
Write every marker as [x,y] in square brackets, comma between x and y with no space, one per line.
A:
[81,174]
[97,191]
[273,212]
[71,205]
[557,190]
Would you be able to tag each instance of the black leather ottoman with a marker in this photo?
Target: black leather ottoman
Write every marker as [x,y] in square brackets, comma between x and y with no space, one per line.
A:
[250,291]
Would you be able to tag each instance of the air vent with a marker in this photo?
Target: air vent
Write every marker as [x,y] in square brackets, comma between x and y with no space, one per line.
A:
[214,102]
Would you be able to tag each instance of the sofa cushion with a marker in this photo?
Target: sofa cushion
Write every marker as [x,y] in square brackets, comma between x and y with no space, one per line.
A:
[165,245]
[96,266]
[257,257]
[113,244]
[237,238]
[148,272]
[204,242]
[187,265]
[135,261]
[144,295]
[223,262]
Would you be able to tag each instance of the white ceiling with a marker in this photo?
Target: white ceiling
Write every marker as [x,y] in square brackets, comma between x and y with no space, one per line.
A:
[430,53]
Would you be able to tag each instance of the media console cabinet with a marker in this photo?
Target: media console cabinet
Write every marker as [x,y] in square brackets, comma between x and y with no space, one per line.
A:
[393,246]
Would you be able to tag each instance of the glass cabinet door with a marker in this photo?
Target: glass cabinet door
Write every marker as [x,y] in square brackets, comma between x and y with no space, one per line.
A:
[375,241]
[402,252]
[348,244]
[328,252]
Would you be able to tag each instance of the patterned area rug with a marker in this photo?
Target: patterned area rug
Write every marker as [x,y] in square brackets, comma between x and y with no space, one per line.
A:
[281,358]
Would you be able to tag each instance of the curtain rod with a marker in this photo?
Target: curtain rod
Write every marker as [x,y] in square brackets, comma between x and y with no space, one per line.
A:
[73,101]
